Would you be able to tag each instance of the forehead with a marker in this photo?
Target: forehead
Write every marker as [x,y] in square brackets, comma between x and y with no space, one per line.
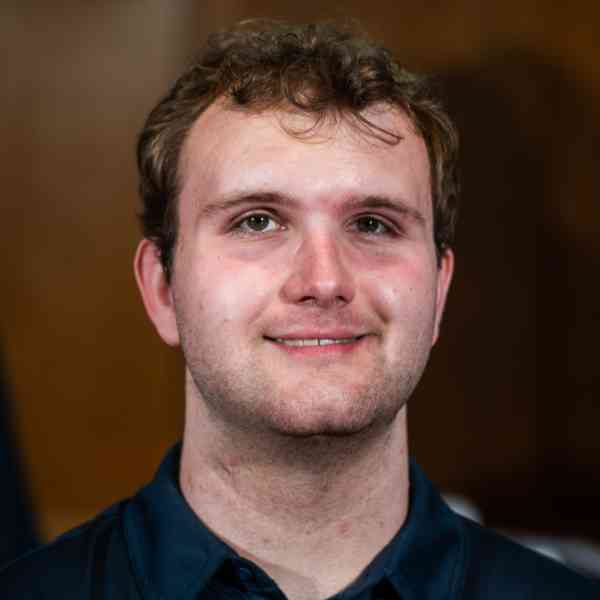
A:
[232,151]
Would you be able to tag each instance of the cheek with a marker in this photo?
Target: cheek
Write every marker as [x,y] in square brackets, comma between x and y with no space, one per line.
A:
[402,293]
[230,293]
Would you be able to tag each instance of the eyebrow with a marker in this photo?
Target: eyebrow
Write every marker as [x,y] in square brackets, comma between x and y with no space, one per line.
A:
[233,201]
[371,202]
[397,205]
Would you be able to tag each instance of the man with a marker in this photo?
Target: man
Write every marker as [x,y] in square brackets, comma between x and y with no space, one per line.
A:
[299,202]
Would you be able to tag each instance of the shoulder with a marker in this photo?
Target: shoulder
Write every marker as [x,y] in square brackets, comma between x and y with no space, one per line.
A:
[72,566]
[498,568]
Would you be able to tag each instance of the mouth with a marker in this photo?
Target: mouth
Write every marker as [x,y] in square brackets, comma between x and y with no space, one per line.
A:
[300,343]
[318,347]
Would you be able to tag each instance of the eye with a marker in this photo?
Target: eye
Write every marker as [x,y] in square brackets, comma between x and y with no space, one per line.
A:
[371,225]
[256,223]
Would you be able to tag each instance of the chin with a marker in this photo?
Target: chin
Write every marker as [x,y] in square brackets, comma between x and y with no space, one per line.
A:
[312,431]
[356,423]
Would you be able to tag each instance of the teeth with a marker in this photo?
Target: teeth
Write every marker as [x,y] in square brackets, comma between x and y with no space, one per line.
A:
[315,342]
[341,341]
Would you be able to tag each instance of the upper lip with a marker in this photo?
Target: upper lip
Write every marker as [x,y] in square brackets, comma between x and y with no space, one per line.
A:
[332,334]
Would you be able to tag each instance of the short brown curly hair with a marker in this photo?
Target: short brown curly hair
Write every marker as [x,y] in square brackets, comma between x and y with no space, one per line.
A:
[319,69]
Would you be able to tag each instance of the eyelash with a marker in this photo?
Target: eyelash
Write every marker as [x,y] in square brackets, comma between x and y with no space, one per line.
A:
[390,231]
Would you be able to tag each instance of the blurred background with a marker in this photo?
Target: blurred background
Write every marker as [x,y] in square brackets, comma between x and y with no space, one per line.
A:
[507,415]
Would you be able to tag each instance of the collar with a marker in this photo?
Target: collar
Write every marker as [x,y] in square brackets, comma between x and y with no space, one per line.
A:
[174,554]
[429,560]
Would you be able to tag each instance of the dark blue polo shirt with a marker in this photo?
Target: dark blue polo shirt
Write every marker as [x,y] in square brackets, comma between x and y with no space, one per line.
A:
[153,547]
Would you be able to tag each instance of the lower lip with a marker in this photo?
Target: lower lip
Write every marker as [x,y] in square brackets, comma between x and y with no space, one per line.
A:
[326,350]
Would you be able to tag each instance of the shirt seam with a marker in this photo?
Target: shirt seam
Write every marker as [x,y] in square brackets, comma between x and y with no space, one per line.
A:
[465,558]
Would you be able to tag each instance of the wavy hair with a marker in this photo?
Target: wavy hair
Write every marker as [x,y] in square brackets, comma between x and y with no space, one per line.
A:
[322,70]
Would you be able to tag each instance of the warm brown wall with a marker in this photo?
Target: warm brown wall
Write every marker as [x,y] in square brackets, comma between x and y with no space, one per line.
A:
[510,399]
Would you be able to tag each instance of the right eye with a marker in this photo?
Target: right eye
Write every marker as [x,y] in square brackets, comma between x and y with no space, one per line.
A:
[256,223]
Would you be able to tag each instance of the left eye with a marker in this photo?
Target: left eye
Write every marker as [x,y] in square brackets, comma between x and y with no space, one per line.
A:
[369,224]
[257,223]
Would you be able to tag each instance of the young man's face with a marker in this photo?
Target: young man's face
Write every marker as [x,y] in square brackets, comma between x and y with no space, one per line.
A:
[283,239]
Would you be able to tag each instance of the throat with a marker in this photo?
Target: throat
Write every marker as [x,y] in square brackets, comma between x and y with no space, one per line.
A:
[311,512]
[315,488]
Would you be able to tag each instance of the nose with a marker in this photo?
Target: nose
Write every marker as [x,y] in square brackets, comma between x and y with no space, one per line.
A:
[319,274]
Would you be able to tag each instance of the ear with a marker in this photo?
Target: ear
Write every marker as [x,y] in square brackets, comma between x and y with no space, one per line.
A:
[155,291]
[445,272]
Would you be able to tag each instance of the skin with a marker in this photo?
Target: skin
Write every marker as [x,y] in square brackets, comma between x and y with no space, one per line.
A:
[275,441]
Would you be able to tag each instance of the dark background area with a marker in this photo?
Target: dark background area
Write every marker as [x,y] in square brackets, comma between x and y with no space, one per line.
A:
[508,412]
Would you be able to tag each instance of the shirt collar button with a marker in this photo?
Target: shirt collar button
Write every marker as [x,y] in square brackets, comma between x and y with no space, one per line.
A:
[246,574]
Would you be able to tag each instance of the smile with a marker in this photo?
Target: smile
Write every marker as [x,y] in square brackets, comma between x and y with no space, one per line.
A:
[319,347]
[317,341]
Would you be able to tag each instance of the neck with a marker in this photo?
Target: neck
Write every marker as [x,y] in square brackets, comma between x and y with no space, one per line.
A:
[341,497]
